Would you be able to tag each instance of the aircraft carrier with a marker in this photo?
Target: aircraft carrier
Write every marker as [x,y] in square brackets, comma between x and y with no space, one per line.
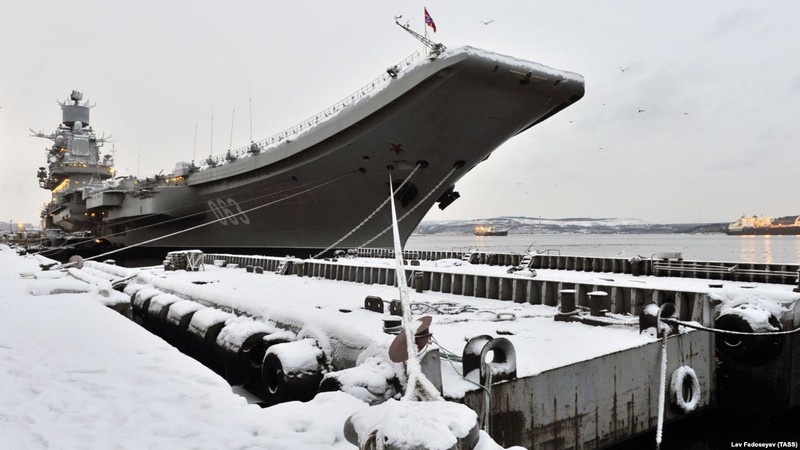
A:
[318,186]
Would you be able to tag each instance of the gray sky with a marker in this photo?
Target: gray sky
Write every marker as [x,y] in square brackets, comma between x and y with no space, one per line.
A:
[719,83]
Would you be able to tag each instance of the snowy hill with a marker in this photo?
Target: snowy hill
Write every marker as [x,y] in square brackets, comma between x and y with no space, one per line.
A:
[580,225]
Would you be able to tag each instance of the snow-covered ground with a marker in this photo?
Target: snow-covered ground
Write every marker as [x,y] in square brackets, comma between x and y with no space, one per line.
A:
[76,374]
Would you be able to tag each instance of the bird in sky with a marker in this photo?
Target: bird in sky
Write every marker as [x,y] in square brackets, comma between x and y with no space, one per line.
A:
[623,69]
[641,110]
[487,22]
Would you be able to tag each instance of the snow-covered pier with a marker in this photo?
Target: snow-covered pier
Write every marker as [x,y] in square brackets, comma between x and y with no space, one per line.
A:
[545,358]
[660,264]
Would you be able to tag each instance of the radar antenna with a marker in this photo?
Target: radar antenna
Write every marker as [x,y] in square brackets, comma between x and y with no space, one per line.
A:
[434,48]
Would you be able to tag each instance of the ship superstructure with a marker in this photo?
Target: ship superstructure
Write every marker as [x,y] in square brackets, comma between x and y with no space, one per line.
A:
[320,185]
[74,165]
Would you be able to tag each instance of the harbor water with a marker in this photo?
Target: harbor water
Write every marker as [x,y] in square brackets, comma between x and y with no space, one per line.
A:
[706,247]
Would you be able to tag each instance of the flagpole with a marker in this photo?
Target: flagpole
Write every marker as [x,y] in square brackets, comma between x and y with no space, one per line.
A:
[425,27]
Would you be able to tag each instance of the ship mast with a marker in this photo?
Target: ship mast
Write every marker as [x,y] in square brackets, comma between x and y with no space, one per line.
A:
[434,48]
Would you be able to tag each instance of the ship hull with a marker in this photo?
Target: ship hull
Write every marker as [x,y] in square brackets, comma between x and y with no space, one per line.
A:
[492,233]
[765,231]
[328,187]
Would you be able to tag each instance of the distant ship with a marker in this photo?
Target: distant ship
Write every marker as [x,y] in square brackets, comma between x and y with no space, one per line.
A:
[760,225]
[318,186]
[489,231]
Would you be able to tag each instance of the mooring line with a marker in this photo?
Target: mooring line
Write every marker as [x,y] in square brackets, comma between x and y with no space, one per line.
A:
[214,221]
[731,332]
[363,222]
[435,188]
[662,387]
[164,222]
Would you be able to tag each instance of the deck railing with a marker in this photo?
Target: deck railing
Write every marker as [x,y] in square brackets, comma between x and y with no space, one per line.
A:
[316,119]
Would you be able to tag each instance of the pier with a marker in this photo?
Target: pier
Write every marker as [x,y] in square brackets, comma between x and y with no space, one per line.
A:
[659,264]
[545,329]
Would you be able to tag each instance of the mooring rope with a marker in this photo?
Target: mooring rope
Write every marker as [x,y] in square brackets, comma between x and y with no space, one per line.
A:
[217,220]
[486,404]
[662,386]
[730,332]
[450,356]
[174,219]
[435,188]
[350,233]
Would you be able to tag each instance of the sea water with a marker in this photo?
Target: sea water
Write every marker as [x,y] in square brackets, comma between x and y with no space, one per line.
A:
[699,247]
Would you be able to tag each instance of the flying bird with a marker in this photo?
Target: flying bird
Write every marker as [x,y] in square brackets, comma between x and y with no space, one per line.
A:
[641,110]
[487,22]
[623,69]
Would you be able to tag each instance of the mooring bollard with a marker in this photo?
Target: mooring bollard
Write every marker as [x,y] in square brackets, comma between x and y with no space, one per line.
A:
[636,266]
[418,281]
[567,297]
[797,289]
[599,303]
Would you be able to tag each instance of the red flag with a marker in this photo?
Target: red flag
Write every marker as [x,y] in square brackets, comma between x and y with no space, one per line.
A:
[429,20]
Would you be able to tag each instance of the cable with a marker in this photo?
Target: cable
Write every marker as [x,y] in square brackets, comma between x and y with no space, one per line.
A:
[204,211]
[435,188]
[350,233]
[214,221]
[735,333]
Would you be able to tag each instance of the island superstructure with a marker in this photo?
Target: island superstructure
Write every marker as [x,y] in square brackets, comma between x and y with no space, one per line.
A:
[75,166]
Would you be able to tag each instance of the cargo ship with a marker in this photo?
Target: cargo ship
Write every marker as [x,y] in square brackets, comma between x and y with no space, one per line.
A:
[760,225]
[321,185]
[489,231]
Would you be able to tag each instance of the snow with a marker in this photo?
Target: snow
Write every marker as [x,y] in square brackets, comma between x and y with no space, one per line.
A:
[445,422]
[238,329]
[205,318]
[298,357]
[77,374]
[180,309]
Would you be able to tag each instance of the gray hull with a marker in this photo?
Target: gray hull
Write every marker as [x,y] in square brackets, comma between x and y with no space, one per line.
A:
[446,114]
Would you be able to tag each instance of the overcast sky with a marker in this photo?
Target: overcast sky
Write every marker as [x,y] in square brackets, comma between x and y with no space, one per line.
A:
[719,83]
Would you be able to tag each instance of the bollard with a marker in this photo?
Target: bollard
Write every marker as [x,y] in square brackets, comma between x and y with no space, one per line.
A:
[567,297]
[599,303]
[418,282]
[636,266]
[797,289]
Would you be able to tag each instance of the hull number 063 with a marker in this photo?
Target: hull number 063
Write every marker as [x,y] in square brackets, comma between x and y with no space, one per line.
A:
[227,210]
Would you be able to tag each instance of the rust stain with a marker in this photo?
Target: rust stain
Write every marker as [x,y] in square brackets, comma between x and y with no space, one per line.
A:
[614,420]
